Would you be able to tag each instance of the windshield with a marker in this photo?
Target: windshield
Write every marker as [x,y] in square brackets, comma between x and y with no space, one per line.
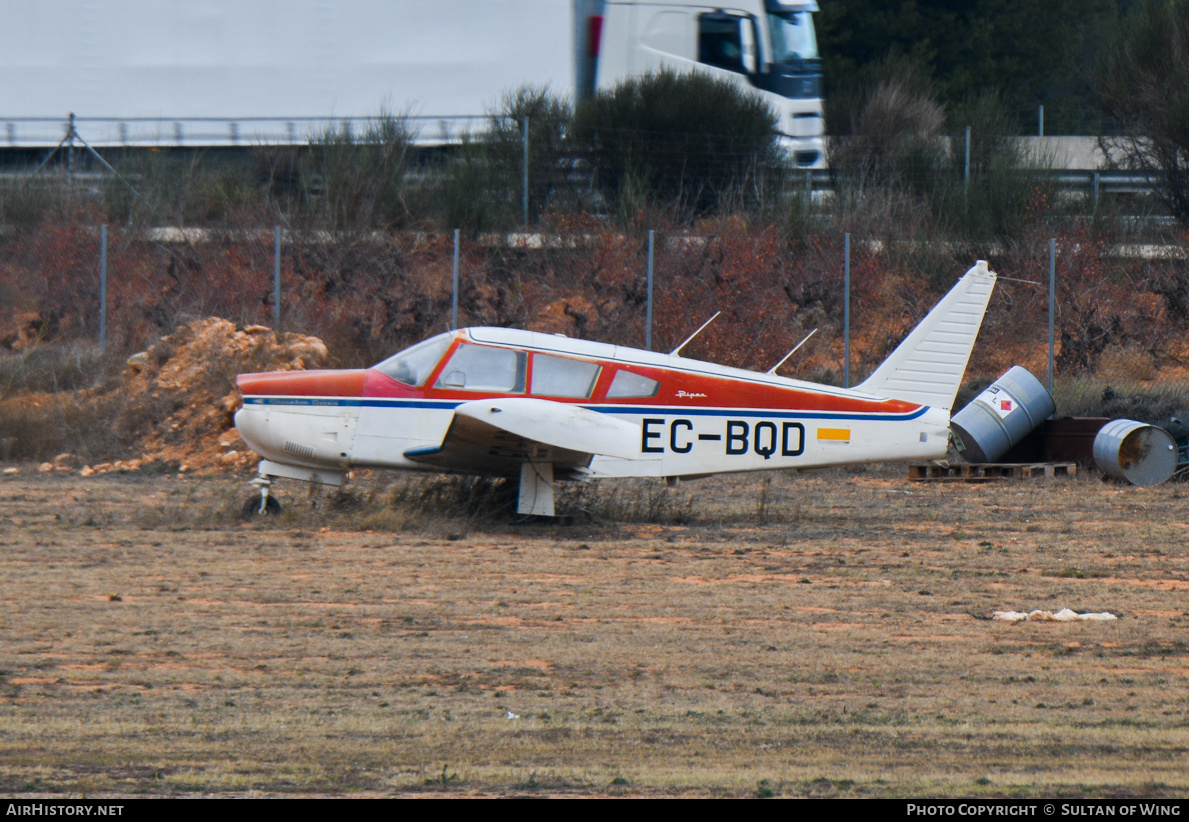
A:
[414,365]
[793,38]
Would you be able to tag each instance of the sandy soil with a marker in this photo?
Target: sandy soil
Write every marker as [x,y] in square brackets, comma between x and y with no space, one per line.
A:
[835,641]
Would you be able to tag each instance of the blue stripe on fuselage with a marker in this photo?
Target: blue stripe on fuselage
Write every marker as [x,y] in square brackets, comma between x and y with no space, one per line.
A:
[778,413]
[647,410]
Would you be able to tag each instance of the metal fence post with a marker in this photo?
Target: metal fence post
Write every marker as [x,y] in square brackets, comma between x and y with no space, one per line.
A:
[70,132]
[454,292]
[102,287]
[648,313]
[1052,302]
[276,280]
[966,165]
[525,204]
[846,311]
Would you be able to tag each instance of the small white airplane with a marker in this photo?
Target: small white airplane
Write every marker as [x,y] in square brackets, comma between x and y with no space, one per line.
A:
[504,402]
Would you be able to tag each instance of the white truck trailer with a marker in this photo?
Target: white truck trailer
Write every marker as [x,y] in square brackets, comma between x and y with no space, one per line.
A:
[226,72]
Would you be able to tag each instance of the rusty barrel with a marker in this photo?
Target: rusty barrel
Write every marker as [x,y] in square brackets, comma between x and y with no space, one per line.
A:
[1140,453]
[1002,415]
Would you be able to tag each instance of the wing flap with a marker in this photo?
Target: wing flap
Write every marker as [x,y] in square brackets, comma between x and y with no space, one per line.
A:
[496,436]
[558,424]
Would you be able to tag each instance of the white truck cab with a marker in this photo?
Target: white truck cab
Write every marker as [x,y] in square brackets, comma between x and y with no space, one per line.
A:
[768,47]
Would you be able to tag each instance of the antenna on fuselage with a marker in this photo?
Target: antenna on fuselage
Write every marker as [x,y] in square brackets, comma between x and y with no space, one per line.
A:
[772,370]
[676,352]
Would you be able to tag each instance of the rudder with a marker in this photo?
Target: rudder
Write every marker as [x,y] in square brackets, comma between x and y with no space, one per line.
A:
[927,367]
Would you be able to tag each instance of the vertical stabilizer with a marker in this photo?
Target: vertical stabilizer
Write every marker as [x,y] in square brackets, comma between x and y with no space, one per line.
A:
[927,367]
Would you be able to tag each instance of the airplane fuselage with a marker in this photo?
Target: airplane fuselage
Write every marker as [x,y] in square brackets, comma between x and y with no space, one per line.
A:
[679,417]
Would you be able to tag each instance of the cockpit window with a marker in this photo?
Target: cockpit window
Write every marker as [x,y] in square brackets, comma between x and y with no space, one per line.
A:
[414,365]
[481,368]
[562,377]
[627,384]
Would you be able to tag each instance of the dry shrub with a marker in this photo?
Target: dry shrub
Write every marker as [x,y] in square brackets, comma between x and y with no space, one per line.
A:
[889,136]
[1125,363]
[472,498]
[627,501]
[153,286]
[1101,304]
[771,293]
[66,366]
[175,401]
[361,178]
[53,399]
[38,427]
[733,271]
[898,115]
[369,295]
[1090,397]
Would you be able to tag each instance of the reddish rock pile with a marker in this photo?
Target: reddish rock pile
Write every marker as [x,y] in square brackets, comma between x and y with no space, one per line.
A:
[180,395]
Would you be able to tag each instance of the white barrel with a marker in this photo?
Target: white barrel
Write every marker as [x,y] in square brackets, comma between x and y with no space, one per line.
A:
[1140,453]
[1009,410]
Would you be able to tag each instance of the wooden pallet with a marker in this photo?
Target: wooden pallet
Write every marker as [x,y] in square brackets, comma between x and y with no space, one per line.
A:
[964,472]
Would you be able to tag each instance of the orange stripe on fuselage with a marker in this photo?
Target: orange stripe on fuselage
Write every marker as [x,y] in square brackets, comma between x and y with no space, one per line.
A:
[699,390]
[678,389]
[303,383]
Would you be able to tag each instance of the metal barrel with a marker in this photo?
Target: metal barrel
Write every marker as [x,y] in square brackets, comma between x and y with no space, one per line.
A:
[1140,453]
[1010,409]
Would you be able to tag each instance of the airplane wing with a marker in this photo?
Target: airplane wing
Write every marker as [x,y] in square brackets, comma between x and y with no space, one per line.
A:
[497,436]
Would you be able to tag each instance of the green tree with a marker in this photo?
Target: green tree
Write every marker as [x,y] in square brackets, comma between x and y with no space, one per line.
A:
[1029,52]
[689,141]
[1143,83]
[549,119]
[484,180]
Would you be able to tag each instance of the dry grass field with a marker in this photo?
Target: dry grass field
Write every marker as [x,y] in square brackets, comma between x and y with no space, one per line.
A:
[822,635]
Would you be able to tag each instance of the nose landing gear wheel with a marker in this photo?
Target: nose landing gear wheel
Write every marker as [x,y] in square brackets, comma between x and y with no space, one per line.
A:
[265,503]
[253,506]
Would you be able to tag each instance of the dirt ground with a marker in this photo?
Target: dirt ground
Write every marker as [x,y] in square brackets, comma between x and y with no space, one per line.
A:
[818,635]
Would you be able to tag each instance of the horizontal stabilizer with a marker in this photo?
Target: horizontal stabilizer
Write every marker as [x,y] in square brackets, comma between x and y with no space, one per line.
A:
[927,367]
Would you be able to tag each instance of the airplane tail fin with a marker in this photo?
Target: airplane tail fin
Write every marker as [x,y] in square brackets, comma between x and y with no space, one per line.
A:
[927,367]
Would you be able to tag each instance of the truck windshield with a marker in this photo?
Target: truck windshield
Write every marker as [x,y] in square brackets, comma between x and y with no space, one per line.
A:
[793,37]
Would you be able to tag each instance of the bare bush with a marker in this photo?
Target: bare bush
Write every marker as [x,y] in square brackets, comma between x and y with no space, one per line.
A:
[891,136]
[1143,83]
[358,182]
